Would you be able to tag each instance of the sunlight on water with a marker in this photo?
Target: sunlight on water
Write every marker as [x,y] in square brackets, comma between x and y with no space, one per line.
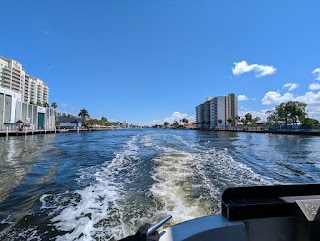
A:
[139,178]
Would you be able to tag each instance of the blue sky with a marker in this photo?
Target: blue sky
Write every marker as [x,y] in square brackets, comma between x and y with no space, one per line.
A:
[150,61]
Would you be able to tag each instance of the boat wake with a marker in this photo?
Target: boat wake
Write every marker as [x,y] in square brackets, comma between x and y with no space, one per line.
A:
[177,177]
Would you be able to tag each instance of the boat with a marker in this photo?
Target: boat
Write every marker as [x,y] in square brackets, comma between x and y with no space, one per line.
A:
[257,213]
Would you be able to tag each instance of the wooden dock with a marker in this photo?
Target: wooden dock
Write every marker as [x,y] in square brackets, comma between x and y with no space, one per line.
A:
[27,132]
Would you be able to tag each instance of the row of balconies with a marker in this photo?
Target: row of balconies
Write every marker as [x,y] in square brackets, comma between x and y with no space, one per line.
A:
[6,84]
[6,69]
[6,77]
[6,73]
[16,74]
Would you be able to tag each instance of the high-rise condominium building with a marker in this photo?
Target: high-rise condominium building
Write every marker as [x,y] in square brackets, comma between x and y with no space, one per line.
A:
[36,91]
[220,111]
[13,76]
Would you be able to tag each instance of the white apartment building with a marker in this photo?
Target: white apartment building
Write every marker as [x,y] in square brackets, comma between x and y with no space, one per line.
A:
[13,77]
[220,108]
[36,91]
[20,97]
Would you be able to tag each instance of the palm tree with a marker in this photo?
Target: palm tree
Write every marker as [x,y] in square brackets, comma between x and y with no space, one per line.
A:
[175,124]
[54,105]
[166,124]
[230,120]
[83,113]
[220,121]
[104,119]
[46,105]
[185,120]
[248,119]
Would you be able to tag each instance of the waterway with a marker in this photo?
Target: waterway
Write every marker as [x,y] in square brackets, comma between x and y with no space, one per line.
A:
[103,185]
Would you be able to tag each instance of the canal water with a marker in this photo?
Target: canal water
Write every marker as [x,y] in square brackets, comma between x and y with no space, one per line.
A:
[103,185]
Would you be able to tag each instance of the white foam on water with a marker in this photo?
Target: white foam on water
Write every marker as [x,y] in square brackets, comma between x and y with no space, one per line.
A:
[172,187]
[147,140]
[86,213]
[7,220]
[189,183]
[184,142]
[29,235]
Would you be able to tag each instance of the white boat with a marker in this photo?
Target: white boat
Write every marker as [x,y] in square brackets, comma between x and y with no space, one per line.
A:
[259,213]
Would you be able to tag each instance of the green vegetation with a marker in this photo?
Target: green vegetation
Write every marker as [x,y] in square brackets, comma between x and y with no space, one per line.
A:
[83,114]
[46,105]
[174,125]
[249,120]
[54,105]
[95,122]
[184,120]
[288,113]
[309,122]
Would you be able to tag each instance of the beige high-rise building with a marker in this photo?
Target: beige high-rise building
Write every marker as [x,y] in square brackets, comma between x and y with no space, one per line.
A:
[36,91]
[217,112]
[13,76]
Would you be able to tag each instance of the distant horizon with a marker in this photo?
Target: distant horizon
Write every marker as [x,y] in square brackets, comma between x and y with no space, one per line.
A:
[149,62]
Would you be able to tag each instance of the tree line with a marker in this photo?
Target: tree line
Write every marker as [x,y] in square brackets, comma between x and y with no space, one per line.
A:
[287,113]
[88,121]
[175,124]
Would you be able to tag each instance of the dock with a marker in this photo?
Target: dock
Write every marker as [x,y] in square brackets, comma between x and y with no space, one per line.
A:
[37,132]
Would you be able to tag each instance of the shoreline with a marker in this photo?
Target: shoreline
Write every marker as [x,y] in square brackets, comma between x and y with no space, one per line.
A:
[282,132]
[248,130]
[38,132]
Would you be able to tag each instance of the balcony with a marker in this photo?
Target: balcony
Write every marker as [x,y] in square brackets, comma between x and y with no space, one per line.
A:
[15,79]
[6,84]
[16,70]
[15,89]
[14,73]
[15,86]
[6,73]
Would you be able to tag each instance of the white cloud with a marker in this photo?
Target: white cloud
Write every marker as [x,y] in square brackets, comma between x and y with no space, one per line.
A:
[260,70]
[273,97]
[176,116]
[313,112]
[310,98]
[290,86]
[314,86]
[316,73]
[242,97]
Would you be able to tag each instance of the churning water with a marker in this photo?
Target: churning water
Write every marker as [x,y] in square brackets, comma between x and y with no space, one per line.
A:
[103,185]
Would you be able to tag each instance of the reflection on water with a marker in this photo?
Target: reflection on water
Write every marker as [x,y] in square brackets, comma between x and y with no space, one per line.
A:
[103,185]
[17,156]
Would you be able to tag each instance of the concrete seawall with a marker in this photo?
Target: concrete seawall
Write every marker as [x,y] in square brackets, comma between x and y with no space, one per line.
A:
[282,131]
